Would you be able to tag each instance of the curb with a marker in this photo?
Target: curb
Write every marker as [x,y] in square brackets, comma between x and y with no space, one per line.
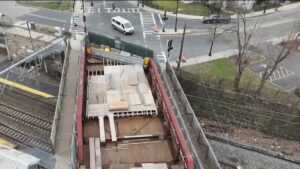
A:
[249,15]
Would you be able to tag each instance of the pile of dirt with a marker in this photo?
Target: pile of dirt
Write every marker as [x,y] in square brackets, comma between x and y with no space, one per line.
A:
[252,137]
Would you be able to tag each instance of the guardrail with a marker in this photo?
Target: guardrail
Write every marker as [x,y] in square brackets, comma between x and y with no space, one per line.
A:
[60,95]
[211,159]
[176,131]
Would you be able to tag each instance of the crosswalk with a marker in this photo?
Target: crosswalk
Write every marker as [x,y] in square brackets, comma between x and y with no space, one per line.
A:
[92,10]
[77,24]
[149,25]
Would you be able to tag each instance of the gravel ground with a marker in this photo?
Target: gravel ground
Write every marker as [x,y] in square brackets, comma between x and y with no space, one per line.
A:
[248,159]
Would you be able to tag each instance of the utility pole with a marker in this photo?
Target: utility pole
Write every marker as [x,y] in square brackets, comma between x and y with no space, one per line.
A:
[181,47]
[213,38]
[30,36]
[5,38]
[176,16]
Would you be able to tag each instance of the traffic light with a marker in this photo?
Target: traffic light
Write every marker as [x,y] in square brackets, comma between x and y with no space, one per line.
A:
[170,47]
[113,6]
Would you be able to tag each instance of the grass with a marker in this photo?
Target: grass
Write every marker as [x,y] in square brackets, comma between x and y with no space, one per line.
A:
[63,5]
[194,8]
[212,72]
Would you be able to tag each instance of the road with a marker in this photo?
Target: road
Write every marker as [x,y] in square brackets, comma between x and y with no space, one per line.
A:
[17,12]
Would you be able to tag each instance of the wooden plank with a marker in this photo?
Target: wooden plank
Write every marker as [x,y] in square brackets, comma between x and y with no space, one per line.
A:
[102,129]
[92,153]
[112,127]
[98,154]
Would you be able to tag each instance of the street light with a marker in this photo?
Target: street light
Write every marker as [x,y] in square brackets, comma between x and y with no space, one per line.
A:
[5,38]
[176,16]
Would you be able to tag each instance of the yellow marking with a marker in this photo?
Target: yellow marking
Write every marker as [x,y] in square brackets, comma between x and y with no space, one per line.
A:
[6,144]
[25,88]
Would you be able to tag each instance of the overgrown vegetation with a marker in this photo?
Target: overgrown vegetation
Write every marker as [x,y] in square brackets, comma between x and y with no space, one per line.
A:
[193,8]
[221,73]
[62,5]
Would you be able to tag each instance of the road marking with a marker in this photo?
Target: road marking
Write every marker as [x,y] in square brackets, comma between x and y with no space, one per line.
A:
[104,4]
[277,23]
[291,89]
[160,20]
[276,75]
[99,10]
[153,19]
[59,20]
[141,19]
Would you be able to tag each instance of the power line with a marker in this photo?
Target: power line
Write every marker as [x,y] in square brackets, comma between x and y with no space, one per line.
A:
[218,121]
[261,109]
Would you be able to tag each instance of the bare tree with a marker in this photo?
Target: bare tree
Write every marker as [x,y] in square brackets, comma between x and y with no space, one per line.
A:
[276,56]
[243,42]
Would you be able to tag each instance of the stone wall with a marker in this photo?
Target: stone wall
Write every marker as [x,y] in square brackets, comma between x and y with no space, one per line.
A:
[243,110]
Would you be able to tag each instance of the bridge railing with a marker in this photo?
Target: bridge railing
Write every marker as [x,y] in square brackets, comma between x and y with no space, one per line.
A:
[211,159]
[60,94]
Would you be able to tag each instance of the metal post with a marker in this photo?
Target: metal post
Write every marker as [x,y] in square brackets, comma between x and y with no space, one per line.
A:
[30,36]
[5,38]
[267,2]
[176,16]
[213,38]
[181,47]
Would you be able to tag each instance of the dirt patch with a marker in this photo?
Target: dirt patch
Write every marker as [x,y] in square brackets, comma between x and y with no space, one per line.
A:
[252,137]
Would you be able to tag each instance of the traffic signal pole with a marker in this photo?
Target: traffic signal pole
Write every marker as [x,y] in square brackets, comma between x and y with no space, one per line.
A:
[181,47]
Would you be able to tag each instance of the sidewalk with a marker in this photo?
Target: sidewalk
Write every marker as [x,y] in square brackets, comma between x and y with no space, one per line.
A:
[252,14]
[63,151]
[206,58]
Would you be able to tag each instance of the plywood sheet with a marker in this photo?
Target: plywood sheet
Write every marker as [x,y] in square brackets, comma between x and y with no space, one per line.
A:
[134,99]
[118,106]
[113,96]
[97,109]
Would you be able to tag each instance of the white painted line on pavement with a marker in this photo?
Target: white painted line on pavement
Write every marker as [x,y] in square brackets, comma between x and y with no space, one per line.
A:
[59,20]
[276,23]
[141,20]
[99,10]
[291,89]
[104,4]
[153,19]
[160,20]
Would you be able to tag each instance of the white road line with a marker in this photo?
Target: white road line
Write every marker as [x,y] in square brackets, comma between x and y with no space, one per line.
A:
[286,71]
[289,90]
[99,10]
[281,71]
[153,19]
[276,23]
[141,19]
[279,74]
[104,4]
[59,20]
[160,20]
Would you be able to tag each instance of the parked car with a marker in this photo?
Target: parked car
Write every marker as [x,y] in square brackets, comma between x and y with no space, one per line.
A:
[122,25]
[216,19]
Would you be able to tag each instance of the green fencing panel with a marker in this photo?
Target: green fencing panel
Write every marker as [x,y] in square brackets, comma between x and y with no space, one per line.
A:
[125,46]
[101,40]
[136,49]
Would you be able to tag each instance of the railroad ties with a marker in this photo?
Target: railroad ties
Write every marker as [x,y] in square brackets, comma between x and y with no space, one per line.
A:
[26,119]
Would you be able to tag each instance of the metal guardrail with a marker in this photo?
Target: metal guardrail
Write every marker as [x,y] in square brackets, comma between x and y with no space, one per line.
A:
[60,94]
[193,122]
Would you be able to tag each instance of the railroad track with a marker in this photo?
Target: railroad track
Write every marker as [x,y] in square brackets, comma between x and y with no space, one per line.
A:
[26,118]
[20,137]
[31,99]
[253,149]
[28,107]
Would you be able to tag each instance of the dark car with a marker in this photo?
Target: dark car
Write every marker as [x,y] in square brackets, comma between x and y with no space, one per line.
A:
[216,19]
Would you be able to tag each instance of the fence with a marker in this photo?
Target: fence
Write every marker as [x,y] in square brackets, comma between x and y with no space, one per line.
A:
[188,117]
[131,48]
[60,94]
